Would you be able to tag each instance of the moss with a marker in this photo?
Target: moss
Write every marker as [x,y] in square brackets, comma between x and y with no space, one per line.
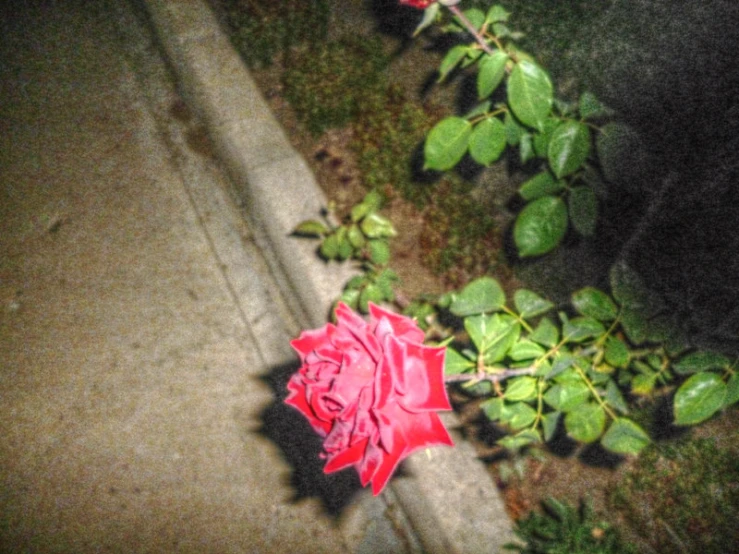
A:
[260,31]
[326,84]
[388,130]
[682,496]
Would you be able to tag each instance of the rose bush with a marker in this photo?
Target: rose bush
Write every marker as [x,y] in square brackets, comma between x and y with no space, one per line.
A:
[372,390]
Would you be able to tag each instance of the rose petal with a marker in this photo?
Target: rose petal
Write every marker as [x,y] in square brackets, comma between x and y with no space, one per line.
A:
[352,456]
[308,341]
[404,328]
[298,399]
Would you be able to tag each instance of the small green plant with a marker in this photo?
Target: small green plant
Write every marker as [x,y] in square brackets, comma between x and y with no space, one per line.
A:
[328,82]
[262,30]
[683,496]
[564,529]
[363,236]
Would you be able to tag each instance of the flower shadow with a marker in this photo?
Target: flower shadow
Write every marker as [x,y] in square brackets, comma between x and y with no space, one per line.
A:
[301,446]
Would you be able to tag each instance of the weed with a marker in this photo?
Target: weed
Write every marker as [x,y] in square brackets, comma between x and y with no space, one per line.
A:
[563,529]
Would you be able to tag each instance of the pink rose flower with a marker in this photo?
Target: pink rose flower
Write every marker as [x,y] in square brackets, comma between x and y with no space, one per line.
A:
[420,4]
[371,390]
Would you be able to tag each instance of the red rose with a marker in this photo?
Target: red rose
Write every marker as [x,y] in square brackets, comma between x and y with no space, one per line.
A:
[420,4]
[372,390]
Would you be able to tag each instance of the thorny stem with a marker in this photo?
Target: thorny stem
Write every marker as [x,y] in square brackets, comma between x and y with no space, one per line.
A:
[471,28]
[492,377]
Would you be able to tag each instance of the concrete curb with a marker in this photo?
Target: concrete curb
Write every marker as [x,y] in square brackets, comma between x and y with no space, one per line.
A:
[448,497]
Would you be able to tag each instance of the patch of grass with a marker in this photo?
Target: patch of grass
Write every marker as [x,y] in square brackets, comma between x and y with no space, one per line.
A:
[262,30]
[683,496]
[388,130]
[563,529]
[327,83]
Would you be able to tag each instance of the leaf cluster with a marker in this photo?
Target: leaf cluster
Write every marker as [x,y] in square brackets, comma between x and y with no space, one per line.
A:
[576,369]
[363,236]
[518,109]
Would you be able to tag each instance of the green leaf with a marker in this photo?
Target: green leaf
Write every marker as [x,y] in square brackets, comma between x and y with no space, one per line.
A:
[542,138]
[549,424]
[311,228]
[481,109]
[546,333]
[526,148]
[490,73]
[520,389]
[345,246]
[478,327]
[492,335]
[330,247]
[643,384]
[583,210]
[700,361]
[370,293]
[540,226]
[615,398]
[493,408]
[566,397]
[479,296]
[474,16]
[446,143]
[569,147]
[506,333]
[487,141]
[513,130]
[591,107]
[616,352]
[385,282]
[732,390]
[356,236]
[526,350]
[519,440]
[379,251]
[371,202]
[350,297]
[529,304]
[530,94]
[625,437]
[541,184]
[455,363]
[579,329]
[634,325]
[586,422]
[562,362]
[375,226]
[594,303]
[452,58]
[518,415]
[699,398]
[497,13]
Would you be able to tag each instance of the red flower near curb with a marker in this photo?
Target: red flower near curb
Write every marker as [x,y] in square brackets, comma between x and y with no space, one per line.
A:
[371,390]
[420,4]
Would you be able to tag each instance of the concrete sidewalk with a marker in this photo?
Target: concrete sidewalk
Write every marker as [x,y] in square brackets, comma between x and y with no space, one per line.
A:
[135,308]
[144,326]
